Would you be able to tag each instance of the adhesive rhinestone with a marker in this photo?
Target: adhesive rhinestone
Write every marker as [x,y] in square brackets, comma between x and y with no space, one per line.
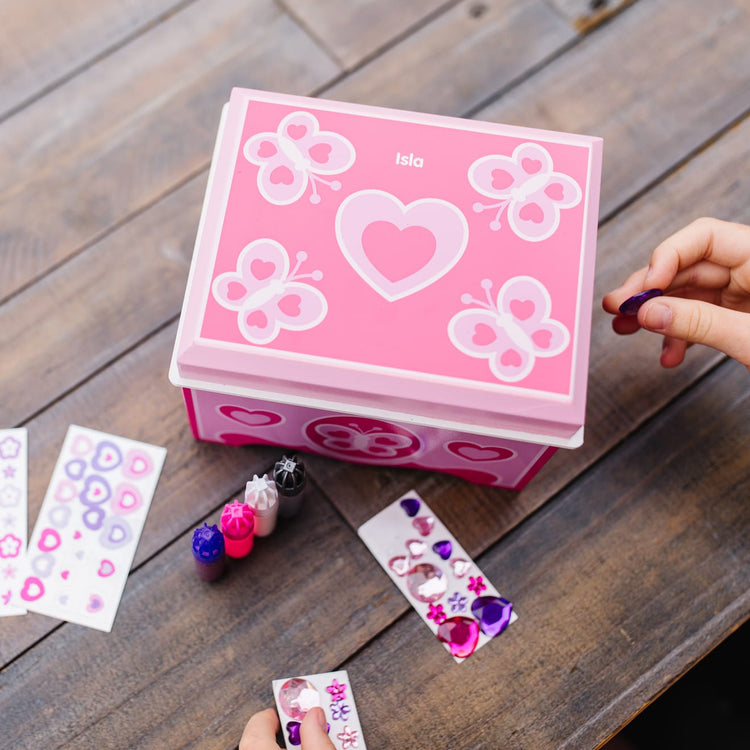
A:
[426,582]
[411,506]
[443,548]
[493,613]
[297,697]
[461,634]
[423,524]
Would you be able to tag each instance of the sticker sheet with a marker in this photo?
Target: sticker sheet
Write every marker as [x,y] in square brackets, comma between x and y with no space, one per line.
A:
[432,570]
[332,691]
[13,515]
[88,528]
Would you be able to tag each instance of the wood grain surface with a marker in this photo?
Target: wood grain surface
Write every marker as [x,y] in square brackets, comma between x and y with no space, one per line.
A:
[627,560]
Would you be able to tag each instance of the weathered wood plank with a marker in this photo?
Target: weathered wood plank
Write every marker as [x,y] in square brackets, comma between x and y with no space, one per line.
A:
[460,59]
[42,41]
[355,29]
[656,82]
[112,140]
[621,585]
[586,15]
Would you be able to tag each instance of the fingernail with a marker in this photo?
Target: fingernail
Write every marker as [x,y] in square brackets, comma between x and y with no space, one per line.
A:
[657,317]
[320,720]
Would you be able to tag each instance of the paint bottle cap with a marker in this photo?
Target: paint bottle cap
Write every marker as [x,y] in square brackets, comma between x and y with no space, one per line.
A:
[208,544]
[289,476]
[262,496]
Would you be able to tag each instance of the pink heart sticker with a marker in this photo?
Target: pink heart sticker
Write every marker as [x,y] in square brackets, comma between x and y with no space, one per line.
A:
[416,548]
[106,569]
[49,540]
[399,565]
[460,566]
[32,589]
[137,464]
[461,634]
[65,574]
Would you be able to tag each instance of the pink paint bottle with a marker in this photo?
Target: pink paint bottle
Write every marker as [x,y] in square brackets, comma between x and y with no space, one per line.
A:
[237,525]
[263,497]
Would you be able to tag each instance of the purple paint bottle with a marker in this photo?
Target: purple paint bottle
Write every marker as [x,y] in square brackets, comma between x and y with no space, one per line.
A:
[208,552]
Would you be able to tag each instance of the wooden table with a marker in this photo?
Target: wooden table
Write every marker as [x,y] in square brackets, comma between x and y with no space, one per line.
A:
[627,560]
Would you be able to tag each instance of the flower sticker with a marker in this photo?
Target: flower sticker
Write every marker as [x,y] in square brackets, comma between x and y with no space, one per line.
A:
[9,496]
[436,613]
[10,546]
[337,691]
[348,737]
[340,711]
[457,602]
[477,585]
[9,448]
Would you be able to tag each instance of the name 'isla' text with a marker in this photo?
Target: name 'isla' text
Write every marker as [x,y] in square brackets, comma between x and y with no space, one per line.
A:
[409,160]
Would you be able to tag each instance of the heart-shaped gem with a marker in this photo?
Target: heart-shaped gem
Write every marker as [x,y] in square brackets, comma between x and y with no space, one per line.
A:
[426,582]
[460,567]
[416,548]
[461,634]
[292,729]
[399,565]
[75,468]
[443,548]
[107,456]
[106,569]
[32,589]
[423,524]
[411,506]
[493,613]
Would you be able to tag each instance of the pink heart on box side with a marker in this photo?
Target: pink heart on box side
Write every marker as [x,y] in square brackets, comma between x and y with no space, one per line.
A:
[522,309]
[296,132]
[483,335]
[531,212]
[251,418]
[531,166]
[542,338]
[281,176]
[397,253]
[511,358]
[266,150]
[474,452]
[555,191]
[320,153]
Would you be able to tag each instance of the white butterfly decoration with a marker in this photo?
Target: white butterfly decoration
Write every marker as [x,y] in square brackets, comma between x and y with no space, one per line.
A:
[525,186]
[511,332]
[267,295]
[296,156]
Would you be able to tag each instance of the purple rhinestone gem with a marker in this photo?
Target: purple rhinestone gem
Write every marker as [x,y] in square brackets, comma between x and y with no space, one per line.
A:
[411,506]
[292,729]
[443,548]
[493,613]
[633,304]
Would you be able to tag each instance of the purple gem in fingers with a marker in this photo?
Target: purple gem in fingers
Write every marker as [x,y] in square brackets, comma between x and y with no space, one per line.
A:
[411,506]
[292,729]
[633,304]
[493,613]
[443,548]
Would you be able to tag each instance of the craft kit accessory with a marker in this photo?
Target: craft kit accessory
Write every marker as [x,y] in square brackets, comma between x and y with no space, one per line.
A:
[237,525]
[208,552]
[290,478]
[332,692]
[13,516]
[391,335]
[88,527]
[634,303]
[441,582]
[263,497]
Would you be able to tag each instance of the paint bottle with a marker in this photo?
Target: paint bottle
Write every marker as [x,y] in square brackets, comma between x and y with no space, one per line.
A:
[263,497]
[208,552]
[290,479]
[237,525]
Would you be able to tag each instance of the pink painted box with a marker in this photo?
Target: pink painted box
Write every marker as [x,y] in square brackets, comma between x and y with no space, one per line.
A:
[391,288]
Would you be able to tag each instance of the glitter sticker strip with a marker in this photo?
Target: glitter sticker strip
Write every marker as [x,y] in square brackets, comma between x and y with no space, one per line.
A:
[432,570]
[13,515]
[88,527]
[332,691]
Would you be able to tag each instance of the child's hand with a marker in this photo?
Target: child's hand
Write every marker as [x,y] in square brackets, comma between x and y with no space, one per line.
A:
[260,731]
[704,271]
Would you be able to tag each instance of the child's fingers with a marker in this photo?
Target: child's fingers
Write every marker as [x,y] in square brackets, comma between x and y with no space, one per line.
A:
[260,731]
[313,731]
[698,322]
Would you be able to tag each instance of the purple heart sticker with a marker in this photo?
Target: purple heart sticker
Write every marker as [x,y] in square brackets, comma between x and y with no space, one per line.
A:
[493,613]
[411,506]
[443,548]
[292,729]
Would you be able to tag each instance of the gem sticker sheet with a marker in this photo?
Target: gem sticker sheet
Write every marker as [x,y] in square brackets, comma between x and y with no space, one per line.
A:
[295,696]
[432,570]
[13,515]
[88,528]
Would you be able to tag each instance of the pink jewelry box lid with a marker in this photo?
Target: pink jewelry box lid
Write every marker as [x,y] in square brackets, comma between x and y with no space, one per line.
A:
[416,267]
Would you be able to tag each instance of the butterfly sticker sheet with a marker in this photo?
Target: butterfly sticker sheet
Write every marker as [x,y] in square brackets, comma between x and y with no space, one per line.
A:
[332,691]
[13,515]
[88,528]
[436,575]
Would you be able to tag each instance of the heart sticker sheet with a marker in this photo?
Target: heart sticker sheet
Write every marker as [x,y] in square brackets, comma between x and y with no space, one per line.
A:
[432,570]
[332,691]
[88,528]
[13,515]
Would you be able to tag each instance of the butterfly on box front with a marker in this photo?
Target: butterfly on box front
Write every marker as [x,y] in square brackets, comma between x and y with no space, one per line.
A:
[512,331]
[268,295]
[296,156]
[525,186]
